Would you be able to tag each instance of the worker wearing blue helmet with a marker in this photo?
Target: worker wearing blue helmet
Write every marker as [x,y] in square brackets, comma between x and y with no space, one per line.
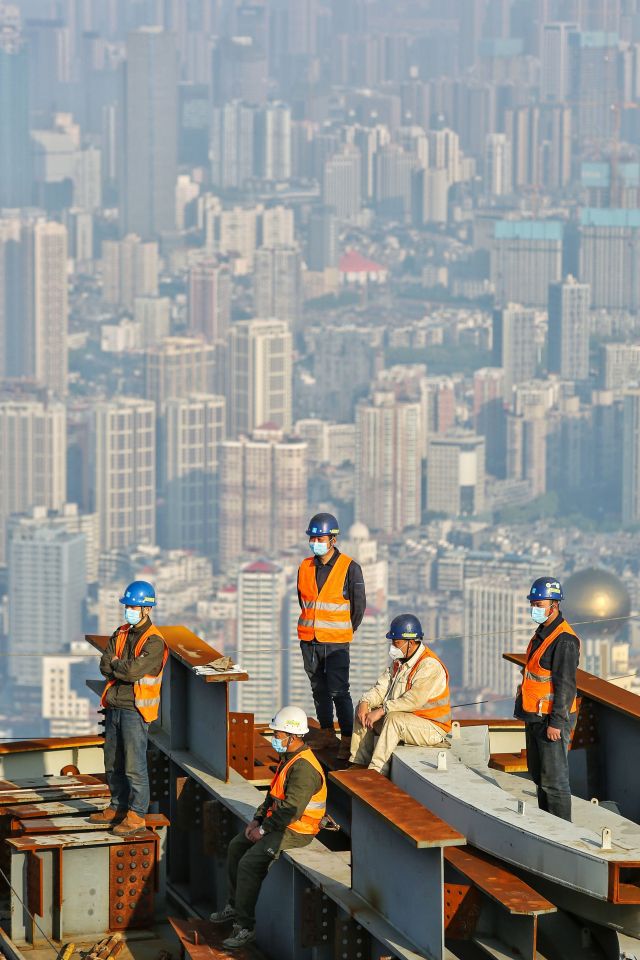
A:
[546,699]
[332,601]
[132,664]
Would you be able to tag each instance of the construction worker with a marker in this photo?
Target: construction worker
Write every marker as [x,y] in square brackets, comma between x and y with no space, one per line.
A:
[408,704]
[289,817]
[332,604]
[132,663]
[546,699]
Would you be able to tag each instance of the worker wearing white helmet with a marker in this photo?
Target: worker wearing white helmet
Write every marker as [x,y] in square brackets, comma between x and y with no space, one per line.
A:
[289,817]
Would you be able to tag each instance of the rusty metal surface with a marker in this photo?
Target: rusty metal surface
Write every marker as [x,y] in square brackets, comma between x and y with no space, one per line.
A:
[158,769]
[241,744]
[602,691]
[462,909]
[585,733]
[202,940]
[352,942]
[132,868]
[34,811]
[490,876]
[190,797]
[317,918]
[624,883]
[16,797]
[90,838]
[402,812]
[187,646]
[75,824]
[47,744]
[217,828]
[35,884]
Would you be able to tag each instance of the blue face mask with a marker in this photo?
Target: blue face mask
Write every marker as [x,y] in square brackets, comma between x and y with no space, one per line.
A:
[132,616]
[278,745]
[319,548]
[538,614]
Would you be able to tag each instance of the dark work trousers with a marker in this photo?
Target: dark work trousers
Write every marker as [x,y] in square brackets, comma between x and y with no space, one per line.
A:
[548,763]
[125,759]
[247,866]
[327,666]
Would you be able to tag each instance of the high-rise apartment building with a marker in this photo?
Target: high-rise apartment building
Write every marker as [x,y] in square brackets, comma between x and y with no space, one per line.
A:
[153,316]
[526,256]
[609,253]
[594,82]
[129,270]
[278,226]
[273,142]
[555,72]
[191,429]
[262,500]
[209,300]
[631,458]
[341,183]
[569,329]
[496,619]
[15,142]
[455,474]
[124,472]
[54,559]
[33,452]
[278,283]
[262,615]
[514,345]
[619,366]
[322,240]
[232,145]
[489,416]
[260,365]
[68,518]
[393,169]
[178,367]
[527,431]
[388,477]
[150,121]
[498,165]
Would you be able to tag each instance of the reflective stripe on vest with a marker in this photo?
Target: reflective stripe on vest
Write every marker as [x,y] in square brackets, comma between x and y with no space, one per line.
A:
[537,684]
[324,616]
[146,690]
[437,710]
[314,811]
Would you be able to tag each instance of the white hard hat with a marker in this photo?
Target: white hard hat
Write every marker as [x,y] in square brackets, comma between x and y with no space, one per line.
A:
[291,720]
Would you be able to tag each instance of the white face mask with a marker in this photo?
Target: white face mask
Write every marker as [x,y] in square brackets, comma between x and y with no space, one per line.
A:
[395,653]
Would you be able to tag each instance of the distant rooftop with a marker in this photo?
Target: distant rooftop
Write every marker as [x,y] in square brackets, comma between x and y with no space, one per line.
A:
[609,217]
[528,230]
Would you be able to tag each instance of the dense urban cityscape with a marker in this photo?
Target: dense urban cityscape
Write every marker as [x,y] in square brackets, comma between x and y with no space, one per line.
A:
[262,258]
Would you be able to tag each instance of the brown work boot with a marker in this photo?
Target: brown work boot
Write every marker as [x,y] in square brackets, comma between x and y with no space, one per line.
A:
[107,816]
[344,750]
[132,823]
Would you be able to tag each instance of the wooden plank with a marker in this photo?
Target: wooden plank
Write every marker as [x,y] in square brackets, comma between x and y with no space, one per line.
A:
[493,878]
[509,762]
[602,691]
[400,811]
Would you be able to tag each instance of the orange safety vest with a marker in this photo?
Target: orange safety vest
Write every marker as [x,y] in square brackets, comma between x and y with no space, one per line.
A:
[537,685]
[437,710]
[325,616]
[315,810]
[146,691]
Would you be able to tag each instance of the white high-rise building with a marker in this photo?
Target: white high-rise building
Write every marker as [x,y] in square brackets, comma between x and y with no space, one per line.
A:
[33,445]
[631,458]
[260,365]
[498,165]
[569,329]
[388,463]
[341,183]
[496,620]
[129,270]
[262,616]
[153,315]
[278,284]
[209,300]
[191,430]
[555,57]
[68,518]
[124,472]
[444,153]
[178,367]
[455,474]
[232,145]
[68,712]
[514,345]
[278,227]
[274,146]
[54,559]
[51,306]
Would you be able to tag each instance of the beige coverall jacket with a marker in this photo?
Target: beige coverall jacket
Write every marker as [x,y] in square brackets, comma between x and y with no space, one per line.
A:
[399,723]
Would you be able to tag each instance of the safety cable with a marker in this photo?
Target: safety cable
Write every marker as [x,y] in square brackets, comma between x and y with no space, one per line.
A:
[363,643]
[35,922]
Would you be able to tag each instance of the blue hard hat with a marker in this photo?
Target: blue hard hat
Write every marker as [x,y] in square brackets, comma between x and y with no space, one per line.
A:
[545,588]
[140,593]
[405,626]
[323,525]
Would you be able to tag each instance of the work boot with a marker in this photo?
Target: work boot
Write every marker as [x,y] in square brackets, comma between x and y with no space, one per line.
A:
[323,739]
[107,816]
[239,938]
[132,823]
[344,750]
[222,916]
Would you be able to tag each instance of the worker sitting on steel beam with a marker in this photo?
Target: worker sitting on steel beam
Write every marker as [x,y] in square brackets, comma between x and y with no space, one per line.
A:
[408,704]
[289,817]
[132,663]
[546,699]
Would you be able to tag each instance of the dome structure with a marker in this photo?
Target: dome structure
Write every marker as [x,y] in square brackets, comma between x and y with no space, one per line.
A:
[358,531]
[595,595]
